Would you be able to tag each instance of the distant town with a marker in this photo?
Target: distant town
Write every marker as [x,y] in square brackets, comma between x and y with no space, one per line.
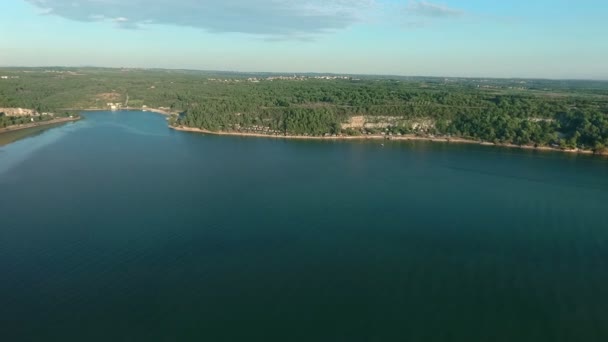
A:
[285,78]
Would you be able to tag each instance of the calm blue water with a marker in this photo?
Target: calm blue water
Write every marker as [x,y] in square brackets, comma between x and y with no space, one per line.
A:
[116,228]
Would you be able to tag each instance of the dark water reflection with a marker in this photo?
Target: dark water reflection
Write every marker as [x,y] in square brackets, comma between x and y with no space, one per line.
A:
[116,228]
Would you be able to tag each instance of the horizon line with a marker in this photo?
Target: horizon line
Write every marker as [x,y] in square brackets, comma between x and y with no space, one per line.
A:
[305,72]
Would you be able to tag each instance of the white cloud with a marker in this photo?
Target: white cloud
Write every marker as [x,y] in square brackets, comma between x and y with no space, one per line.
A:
[268,18]
[432,10]
[421,14]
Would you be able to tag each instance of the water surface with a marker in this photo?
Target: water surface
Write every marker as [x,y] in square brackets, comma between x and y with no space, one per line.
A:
[12,136]
[116,228]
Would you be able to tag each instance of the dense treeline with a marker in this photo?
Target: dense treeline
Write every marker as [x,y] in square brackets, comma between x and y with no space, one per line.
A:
[6,121]
[562,113]
[497,128]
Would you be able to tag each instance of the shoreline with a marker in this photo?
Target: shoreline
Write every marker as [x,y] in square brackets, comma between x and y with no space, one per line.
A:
[158,110]
[153,110]
[390,138]
[19,127]
[455,140]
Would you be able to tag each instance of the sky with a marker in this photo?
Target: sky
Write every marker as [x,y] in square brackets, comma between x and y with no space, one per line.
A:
[558,39]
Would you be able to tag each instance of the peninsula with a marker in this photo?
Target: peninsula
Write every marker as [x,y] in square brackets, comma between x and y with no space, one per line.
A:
[406,137]
[570,116]
[14,119]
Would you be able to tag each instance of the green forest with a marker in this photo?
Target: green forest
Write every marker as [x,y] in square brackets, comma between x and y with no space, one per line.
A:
[6,121]
[566,114]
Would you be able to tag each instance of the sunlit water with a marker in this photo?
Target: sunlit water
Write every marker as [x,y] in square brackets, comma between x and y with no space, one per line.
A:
[116,228]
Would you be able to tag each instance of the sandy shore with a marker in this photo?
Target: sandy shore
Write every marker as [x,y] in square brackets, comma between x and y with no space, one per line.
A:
[384,137]
[154,110]
[159,111]
[37,124]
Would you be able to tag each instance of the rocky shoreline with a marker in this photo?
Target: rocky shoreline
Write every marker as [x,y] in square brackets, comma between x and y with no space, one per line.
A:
[385,137]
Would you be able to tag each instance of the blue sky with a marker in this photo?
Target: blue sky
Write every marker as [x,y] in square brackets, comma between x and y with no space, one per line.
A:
[516,38]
